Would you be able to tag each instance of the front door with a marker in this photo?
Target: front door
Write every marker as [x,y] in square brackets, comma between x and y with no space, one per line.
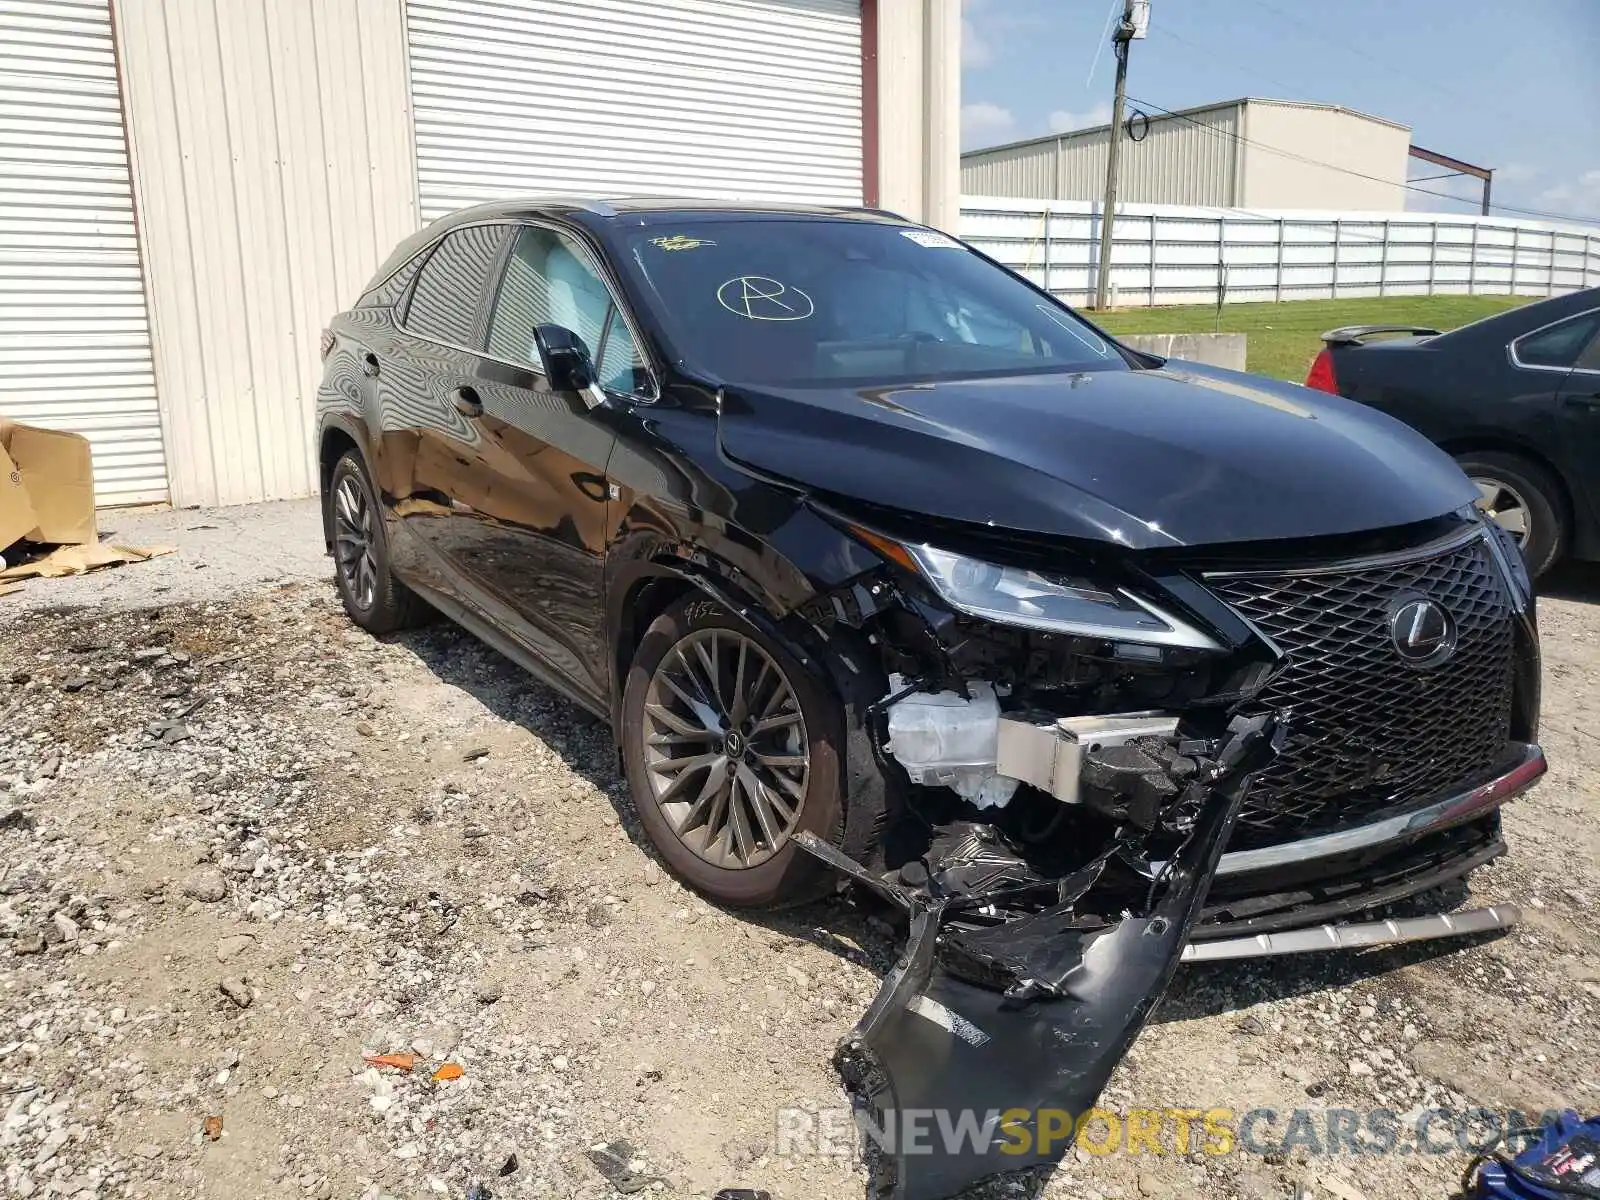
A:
[533,540]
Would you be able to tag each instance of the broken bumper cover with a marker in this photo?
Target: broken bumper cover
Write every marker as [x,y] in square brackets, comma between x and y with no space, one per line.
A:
[987,1044]
[962,1081]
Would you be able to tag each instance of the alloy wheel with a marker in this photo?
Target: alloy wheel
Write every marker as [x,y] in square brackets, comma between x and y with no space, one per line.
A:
[725,748]
[1504,505]
[353,546]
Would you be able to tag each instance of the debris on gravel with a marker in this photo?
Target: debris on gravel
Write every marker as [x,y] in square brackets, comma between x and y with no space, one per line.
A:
[252,855]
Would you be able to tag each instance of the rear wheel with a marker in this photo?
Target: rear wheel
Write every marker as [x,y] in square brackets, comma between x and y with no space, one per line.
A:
[374,598]
[731,749]
[1523,499]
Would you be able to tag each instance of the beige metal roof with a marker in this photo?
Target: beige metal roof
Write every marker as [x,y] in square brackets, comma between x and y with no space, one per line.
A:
[1190,112]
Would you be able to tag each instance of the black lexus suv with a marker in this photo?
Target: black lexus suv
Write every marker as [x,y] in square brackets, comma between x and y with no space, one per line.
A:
[885,565]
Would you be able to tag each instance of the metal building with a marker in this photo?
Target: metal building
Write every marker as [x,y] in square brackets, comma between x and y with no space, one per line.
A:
[1248,153]
[189,188]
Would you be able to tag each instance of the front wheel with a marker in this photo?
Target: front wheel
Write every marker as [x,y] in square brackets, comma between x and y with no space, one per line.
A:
[731,748]
[1524,500]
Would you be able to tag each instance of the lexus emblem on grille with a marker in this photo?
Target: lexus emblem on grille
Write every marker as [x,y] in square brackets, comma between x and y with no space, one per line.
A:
[1424,634]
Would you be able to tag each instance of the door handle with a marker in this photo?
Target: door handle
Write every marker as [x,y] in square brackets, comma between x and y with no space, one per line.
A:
[1582,403]
[369,364]
[466,401]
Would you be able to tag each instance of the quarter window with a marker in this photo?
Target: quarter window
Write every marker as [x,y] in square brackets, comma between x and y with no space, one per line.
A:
[1560,345]
[444,305]
[548,281]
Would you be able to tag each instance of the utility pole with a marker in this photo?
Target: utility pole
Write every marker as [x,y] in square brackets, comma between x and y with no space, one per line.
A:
[1127,29]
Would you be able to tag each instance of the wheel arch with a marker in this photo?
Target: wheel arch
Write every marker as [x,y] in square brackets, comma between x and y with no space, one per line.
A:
[646,588]
[337,439]
[1492,444]
[839,660]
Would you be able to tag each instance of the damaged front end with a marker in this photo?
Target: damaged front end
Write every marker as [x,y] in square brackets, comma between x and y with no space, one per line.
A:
[1050,860]
[1070,736]
[1013,1001]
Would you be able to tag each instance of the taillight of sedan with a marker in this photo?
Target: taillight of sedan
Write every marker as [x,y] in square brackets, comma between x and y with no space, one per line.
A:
[1321,374]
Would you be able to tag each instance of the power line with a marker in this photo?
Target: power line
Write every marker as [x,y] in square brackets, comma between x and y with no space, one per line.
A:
[1389,69]
[1165,30]
[1290,154]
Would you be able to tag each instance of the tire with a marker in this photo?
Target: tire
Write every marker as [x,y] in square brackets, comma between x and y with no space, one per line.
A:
[786,875]
[1525,485]
[374,598]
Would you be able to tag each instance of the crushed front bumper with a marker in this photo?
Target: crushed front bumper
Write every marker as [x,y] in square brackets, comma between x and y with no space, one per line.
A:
[985,1047]
[1011,1030]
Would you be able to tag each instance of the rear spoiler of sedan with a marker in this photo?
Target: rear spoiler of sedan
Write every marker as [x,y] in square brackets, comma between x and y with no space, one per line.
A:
[1353,335]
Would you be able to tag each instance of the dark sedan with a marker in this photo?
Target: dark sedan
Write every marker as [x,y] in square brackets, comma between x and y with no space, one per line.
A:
[884,565]
[1515,398]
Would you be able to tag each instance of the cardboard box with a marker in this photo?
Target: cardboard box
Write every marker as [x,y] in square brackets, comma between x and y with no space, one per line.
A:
[16,510]
[46,486]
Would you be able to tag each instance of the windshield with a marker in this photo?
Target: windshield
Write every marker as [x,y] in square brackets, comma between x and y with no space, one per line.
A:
[814,301]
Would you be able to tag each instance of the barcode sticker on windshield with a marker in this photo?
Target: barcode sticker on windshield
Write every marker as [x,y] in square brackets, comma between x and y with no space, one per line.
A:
[930,239]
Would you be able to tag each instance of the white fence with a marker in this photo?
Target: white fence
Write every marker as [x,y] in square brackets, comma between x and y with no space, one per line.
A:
[1169,254]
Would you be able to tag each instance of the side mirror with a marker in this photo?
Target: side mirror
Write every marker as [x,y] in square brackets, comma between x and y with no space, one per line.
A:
[567,362]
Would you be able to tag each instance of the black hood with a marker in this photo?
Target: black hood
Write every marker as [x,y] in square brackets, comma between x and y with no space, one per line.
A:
[1184,455]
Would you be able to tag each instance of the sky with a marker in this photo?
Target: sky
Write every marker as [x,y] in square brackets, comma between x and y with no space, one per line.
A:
[1508,84]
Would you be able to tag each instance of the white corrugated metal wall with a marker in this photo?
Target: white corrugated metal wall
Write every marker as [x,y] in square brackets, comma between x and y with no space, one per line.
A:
[1171,254]
[74,336]
[1192,159]
[273,168]
[734,99]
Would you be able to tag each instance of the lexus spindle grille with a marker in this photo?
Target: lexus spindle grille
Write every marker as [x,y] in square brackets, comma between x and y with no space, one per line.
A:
[1370,733]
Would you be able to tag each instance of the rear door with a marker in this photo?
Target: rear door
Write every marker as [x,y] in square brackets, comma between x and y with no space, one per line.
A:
[1579,419]
[431,446]
[533,538]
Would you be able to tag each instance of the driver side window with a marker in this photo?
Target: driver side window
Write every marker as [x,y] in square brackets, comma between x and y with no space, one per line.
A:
[548,281]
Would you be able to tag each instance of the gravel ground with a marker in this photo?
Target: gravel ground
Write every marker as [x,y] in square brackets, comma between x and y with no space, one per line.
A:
[243,844]
[219,552]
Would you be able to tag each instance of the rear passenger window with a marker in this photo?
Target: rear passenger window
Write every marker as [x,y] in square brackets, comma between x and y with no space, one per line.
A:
[1560,345]
[444,304]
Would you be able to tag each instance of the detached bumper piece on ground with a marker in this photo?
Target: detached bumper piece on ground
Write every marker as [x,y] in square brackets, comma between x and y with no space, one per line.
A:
[1030,1013]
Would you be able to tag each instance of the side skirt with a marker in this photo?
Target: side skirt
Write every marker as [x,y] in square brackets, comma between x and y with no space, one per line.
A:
[509,646]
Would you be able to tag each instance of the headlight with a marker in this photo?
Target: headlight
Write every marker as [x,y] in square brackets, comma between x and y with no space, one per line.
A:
[1059,604]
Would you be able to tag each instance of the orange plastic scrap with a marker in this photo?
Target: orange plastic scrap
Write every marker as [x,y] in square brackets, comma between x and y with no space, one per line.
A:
[212,1128]
[448,1072]
[400,1062]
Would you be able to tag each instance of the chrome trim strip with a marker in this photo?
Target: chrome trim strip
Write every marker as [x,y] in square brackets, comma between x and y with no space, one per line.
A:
[1450,541]
[1516,359]
[1441,814]
[1358,936]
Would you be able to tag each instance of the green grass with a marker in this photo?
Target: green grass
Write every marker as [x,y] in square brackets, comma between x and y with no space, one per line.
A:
[1282,338]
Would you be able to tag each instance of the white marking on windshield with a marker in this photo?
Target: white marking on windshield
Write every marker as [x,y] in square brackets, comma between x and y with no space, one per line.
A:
[931,239]
[758,298]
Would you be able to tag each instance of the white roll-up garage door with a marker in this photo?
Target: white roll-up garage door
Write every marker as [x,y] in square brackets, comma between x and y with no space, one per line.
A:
[74,336]
[720,99]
